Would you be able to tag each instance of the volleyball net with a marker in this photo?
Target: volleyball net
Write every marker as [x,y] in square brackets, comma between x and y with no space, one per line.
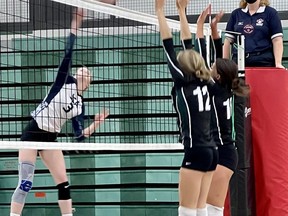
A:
[131,162]
[119,43]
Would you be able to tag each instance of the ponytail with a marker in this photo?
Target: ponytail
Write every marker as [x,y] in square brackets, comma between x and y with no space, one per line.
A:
[239,87]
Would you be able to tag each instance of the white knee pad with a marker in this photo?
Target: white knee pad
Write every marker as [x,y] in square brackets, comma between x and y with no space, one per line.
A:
[26,175]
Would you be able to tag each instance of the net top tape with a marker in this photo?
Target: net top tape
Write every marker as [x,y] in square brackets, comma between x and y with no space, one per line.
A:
[125,13]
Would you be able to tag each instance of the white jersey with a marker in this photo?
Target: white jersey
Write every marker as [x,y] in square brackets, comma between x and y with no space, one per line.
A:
[52,113]
[62,101]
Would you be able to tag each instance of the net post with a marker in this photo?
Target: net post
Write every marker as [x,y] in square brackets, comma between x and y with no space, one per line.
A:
[241,55]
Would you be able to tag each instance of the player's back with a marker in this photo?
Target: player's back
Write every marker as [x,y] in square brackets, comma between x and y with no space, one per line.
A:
[192,104]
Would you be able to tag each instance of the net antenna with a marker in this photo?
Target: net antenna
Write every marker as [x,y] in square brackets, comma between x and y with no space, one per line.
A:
[207,36]
[117,11]
[241,55]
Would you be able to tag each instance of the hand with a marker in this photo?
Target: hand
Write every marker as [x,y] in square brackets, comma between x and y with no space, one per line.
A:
[181,4]
[77,20]
[217,19]
[159,4]
[79,12]
[203,15]
[99,118]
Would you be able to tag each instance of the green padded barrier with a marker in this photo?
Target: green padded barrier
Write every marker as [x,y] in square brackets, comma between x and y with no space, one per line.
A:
[167,210]
[11,163]
[162,195]
[95,161]
[162,176]
[98,195]
[164,159]
[40,180]
[80,210]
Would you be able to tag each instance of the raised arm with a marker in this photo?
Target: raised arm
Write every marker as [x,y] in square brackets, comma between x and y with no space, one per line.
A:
[216,38]
[77,20]
[200,22]
[200,43]
[65,65]
[168,46]
[165,32]
[185,33]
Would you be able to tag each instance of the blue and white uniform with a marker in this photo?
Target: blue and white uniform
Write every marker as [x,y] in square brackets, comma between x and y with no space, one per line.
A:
[259,30]
[62,101]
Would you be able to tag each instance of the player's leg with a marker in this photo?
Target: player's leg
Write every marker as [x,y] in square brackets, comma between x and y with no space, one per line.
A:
[218,190]
[197,161]
[189,189]
[228,159]
[205,185]
[26,168]
[206,182]
[54,161]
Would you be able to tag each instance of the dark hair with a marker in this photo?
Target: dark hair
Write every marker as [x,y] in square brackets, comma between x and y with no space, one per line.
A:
[228,71]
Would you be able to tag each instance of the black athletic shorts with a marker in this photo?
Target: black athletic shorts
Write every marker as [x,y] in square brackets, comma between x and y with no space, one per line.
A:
[33,133]
[228,156]
[200,158]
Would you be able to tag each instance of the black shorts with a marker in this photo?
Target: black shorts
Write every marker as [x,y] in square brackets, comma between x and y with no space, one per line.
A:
[228,156]
[200,158]
[33,133]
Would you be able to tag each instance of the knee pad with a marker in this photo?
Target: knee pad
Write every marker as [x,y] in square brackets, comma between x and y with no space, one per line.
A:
[26,175]
[63,191]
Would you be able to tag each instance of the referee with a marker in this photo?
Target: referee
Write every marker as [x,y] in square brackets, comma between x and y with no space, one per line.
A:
[261,26]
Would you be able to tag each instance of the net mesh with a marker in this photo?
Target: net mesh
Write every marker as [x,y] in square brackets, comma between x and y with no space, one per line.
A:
[133,167]
[120,45]
[125,56]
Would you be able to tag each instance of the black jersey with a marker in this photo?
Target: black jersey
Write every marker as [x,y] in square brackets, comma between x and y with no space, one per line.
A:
[222,121]
[192,102]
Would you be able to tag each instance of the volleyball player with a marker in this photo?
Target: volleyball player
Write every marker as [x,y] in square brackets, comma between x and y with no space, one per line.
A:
[225,75]
[63,101]
[191,101]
